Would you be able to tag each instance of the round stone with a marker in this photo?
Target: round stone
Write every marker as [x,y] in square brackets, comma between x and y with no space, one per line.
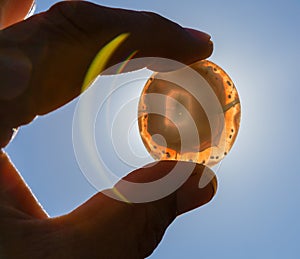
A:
[191,114]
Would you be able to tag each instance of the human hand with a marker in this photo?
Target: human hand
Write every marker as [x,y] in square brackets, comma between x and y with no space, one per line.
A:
[43,64]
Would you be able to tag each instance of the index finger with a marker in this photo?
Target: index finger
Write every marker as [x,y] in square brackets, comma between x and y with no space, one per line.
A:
[45,58]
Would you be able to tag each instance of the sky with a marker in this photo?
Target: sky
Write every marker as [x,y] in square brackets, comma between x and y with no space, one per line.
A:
[256,211]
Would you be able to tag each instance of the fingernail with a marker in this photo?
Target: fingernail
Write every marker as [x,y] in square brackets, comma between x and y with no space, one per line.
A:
[203,45]
[190,195]
[198,34]
[206,178]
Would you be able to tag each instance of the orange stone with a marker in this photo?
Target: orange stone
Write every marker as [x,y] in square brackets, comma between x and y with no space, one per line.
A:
[191,114]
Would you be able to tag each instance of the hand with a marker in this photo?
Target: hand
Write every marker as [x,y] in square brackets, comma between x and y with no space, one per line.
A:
[43,63]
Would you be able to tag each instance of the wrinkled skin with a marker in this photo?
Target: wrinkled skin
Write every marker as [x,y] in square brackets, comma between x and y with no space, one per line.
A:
[50,53]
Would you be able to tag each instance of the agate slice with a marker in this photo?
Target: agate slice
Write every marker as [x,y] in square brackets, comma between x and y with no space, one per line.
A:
[191,114]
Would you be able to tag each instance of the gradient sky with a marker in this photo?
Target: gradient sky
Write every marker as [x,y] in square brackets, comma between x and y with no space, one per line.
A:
[256,211]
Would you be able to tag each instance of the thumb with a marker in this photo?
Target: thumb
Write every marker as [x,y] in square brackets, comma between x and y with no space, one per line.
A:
[138,228]
[192,184]
[44,59]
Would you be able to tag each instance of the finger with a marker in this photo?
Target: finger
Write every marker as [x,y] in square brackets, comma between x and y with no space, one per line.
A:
[52,51]
[185,182]
[11,11]
[137,228]
[15,194]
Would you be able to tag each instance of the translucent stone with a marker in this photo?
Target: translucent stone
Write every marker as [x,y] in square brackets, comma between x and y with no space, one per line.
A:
[207,102]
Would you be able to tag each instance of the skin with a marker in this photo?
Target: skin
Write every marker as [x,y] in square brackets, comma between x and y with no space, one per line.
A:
[62,42]
[12,11]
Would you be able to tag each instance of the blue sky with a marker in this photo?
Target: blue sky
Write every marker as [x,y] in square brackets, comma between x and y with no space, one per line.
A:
[256,211]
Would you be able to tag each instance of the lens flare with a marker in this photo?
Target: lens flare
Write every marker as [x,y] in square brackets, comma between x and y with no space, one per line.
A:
[191,114]
[101,59]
